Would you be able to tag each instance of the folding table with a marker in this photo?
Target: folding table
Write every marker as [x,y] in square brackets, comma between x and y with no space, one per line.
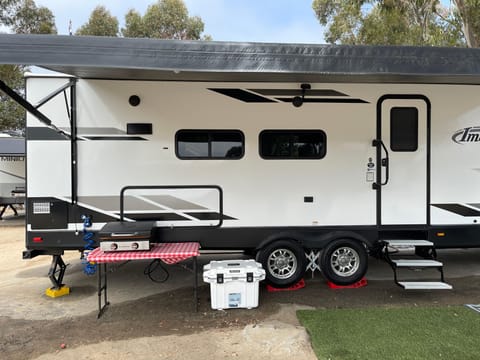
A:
[169,253]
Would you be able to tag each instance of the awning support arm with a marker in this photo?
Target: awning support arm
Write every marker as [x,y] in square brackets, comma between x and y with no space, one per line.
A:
[52,95]
[29,107]
[72,115]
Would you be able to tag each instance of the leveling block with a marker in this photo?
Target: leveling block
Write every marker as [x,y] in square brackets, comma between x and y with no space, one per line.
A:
[299,285]
[361,283]
[57,292]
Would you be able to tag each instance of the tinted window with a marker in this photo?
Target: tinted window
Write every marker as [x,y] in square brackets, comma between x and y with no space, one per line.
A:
[292,144]
[209,144]
[404,129]
[228,145]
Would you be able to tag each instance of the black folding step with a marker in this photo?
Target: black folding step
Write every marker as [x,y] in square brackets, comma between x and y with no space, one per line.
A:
[424,257]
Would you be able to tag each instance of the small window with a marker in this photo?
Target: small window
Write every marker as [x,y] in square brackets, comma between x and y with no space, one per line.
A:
[404,129]
[210,144]
[292,144]
[139,129]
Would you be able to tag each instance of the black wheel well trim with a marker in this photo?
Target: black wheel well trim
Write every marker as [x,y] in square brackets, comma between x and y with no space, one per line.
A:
[278,237]
[339,235]
[318,243]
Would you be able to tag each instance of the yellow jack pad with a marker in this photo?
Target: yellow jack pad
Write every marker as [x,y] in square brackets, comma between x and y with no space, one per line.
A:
[54,293]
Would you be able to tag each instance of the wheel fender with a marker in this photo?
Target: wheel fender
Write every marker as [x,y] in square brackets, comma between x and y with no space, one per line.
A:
[317,243]
[280,236]
[325,240]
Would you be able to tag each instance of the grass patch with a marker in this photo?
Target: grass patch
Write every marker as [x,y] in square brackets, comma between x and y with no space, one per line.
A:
[394,333]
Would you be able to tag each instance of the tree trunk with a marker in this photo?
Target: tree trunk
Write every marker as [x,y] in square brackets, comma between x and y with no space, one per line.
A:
[472,39]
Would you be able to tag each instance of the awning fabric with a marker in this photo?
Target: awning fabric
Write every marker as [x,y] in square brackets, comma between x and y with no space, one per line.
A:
[149,59]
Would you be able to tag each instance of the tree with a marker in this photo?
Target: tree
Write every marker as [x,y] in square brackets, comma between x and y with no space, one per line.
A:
[100,23]
[166,19]
[6,11]
[469,13]
[395,22]
[134,26]
[30,19]
[22,16]
[12,116]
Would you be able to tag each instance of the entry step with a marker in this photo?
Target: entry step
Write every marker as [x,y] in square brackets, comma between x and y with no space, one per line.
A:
[416,263]
[424,285]
[409,242]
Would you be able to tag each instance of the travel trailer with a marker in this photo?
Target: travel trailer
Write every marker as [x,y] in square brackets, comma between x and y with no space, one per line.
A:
[300,155]
[12,173]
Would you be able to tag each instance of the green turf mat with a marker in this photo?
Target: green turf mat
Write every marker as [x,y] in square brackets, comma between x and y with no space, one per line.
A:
[394,333]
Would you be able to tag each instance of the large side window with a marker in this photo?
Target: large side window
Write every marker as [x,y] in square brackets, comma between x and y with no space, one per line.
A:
[293,144]
[209,144]
[404,129]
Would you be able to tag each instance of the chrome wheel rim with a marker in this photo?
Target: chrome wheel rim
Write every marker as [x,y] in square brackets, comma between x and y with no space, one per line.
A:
[282,263]
[345,261]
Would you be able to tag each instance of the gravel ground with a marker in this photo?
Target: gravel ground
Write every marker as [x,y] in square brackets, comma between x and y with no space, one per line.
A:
[147,320]
[144,320]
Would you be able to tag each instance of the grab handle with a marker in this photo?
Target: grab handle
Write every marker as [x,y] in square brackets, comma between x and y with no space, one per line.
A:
[385,162]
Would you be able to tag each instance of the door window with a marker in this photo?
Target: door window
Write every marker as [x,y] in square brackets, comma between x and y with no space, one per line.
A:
[404,129]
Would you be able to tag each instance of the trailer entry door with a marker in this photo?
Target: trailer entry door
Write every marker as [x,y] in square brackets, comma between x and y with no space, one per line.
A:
[402,155]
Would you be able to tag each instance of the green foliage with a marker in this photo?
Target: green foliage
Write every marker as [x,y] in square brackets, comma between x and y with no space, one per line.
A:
[134,26]
[166,19]
[23,17]
[100,23]
[7,8]
[344,19]
[12,116]
[393,333]
[389,22]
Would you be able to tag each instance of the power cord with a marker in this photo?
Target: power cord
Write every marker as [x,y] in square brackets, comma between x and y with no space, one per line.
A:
[152,267]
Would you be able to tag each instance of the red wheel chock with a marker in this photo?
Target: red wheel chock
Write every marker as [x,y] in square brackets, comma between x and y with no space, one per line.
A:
[299,285]
[361,283]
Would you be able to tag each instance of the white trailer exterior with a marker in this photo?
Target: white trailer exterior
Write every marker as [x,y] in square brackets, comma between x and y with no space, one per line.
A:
[220,156]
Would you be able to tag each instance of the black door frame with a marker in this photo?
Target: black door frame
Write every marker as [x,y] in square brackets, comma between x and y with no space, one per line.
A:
[379,150]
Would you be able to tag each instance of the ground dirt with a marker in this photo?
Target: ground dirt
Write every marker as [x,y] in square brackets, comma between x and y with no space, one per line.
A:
[161,323]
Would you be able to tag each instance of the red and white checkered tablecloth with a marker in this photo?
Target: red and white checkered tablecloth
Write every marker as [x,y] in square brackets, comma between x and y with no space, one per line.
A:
[169,253]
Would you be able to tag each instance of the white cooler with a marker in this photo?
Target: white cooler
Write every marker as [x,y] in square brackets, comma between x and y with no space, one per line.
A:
[233,283]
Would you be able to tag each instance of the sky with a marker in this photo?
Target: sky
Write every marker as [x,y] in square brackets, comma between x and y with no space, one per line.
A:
[286,21]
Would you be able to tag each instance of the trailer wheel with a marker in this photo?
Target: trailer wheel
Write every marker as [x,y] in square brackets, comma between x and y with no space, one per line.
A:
[344,261]
[284,263]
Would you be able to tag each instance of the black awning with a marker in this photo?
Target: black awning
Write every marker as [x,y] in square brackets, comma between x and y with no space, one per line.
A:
[149,59]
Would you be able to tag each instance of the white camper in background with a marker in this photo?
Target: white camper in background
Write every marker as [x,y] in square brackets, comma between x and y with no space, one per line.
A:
[276,150]
[12,172]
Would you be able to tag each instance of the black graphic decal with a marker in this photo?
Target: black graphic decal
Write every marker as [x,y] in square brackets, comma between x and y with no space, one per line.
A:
[458,209]
[243,95]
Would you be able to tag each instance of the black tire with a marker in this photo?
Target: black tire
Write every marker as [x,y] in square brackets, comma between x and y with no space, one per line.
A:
[425,252]
[344,261]
[284,263]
